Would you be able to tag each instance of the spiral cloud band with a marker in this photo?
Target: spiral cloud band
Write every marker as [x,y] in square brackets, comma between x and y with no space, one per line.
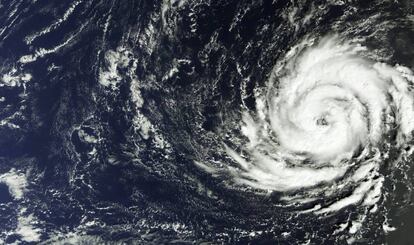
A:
[325,123]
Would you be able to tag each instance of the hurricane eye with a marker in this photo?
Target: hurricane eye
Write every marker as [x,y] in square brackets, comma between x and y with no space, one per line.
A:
[322,122]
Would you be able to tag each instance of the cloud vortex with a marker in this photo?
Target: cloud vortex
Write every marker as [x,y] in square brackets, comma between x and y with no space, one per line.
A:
[324,124]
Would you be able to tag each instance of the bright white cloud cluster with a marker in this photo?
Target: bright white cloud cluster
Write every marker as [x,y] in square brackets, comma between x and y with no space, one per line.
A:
[16,182]
[325,114]
[26,227]
[332,102]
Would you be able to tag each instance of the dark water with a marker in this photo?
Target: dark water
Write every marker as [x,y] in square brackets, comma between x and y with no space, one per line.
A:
[107,107]
[5,196]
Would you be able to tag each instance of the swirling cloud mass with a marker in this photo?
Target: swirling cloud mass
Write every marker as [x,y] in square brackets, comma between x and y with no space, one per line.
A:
[325,123]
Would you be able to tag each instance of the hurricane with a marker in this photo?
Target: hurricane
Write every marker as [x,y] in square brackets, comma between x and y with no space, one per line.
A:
[206,122]
[321,125]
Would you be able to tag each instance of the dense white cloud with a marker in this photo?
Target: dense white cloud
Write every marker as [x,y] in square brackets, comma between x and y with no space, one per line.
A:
[326,112]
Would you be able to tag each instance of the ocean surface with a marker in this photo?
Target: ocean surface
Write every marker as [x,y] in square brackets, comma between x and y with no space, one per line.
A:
[206,122]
